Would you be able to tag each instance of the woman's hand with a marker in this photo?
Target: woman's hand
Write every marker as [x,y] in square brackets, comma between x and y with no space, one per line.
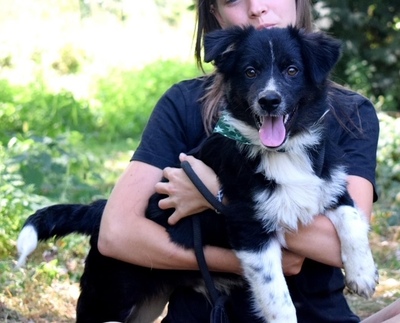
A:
[183,196]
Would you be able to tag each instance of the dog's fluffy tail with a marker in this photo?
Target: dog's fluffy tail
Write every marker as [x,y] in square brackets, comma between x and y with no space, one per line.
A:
[57,221]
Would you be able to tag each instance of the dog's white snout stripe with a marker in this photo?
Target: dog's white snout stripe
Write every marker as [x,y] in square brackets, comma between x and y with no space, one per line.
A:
[271,45]
[271,86]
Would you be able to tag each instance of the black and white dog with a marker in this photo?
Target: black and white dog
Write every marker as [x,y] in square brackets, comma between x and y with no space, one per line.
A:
[277,169]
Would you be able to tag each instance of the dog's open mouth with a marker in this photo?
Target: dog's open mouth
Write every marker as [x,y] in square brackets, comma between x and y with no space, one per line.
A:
[273,129]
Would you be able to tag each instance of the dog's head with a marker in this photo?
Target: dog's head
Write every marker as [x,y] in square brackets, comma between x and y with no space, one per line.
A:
[274,79]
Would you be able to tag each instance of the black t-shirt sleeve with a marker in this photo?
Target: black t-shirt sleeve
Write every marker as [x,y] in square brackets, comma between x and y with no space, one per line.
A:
[175,126]
[365,148]
[357,134]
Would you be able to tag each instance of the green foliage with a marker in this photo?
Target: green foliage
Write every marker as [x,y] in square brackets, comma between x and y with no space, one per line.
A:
[35,109]
[126,98]
[36,171]
[44,146]
[70,61]
[16,199]
[388,171]
[172,11]
[370,64]
[42,154]
[91,7]
[371,58]
[56,167]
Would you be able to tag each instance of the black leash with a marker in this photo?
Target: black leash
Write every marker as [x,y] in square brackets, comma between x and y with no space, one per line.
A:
[201,260]
[197,236]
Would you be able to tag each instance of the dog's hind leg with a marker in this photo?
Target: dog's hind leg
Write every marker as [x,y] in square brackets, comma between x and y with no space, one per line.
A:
[352,229]
[263,271]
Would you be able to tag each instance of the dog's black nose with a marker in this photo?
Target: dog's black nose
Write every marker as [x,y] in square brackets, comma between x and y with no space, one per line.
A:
[270,101]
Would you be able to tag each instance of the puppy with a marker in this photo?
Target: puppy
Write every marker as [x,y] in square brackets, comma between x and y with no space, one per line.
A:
[277,169]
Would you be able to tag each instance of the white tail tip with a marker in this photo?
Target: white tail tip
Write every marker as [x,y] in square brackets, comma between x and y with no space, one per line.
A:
[26,244]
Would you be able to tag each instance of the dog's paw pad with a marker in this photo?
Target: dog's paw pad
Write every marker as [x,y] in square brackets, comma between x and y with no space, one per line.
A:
[363,282]
[365,289]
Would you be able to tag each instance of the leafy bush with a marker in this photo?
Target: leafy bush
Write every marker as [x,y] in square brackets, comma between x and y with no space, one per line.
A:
[70,61]
[371,56]
[126,98]
[42,140]
[36,171]
[16,199]
[56,168]
[34,109]
[120,108]
[388,171]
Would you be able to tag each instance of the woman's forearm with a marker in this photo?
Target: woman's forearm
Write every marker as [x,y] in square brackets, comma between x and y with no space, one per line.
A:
[318,241]
[126,234]
[389,314]
[152,247]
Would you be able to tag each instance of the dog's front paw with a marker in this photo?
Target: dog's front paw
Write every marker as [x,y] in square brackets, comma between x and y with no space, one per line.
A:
[352,228]
[362,277]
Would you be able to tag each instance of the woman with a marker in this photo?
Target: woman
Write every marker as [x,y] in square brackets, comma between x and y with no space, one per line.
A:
[178,124]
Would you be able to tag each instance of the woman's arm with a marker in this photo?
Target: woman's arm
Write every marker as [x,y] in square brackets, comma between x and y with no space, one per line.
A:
[126,234]
[389,314]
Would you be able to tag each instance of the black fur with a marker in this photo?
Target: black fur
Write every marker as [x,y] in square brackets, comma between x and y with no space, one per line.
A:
[247,59]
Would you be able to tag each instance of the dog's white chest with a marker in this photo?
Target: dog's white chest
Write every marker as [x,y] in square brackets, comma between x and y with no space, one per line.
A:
[298,195]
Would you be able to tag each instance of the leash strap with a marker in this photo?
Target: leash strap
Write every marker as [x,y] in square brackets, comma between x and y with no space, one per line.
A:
[197,237]
[198,249]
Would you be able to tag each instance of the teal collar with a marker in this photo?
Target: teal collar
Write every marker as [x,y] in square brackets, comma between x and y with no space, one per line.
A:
[224,128]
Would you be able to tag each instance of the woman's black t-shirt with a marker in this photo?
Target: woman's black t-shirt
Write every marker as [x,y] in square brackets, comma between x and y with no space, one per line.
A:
[176,126]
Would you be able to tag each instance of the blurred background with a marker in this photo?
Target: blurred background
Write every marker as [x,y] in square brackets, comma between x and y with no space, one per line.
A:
[78,81]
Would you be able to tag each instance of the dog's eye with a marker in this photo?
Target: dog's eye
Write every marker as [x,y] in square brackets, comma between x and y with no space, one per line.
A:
[251,72]
[292,70]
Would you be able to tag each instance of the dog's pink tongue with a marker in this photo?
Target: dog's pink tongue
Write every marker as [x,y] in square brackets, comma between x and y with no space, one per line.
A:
[272,132]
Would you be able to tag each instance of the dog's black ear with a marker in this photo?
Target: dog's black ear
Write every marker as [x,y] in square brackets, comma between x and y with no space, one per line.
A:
[220,44]
[321,53]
